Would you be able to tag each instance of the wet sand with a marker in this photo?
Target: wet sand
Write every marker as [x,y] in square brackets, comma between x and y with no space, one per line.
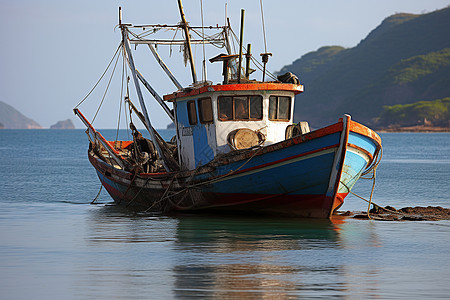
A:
[389,213]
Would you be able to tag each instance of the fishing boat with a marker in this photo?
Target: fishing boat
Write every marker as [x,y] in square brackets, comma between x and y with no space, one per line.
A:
[236,148]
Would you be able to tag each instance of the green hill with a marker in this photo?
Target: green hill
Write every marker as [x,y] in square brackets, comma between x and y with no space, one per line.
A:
[404,60]
[435,113]
[13,119]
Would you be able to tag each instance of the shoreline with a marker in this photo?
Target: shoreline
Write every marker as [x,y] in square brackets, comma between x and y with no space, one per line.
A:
[417,128]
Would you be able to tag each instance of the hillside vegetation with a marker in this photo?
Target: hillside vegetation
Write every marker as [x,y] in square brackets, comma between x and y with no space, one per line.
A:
[435,113]
[404,60]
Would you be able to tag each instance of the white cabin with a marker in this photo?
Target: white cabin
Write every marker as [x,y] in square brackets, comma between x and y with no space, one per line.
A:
[216,119]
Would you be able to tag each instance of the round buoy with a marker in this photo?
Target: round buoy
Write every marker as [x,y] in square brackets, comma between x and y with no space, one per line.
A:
[244,138]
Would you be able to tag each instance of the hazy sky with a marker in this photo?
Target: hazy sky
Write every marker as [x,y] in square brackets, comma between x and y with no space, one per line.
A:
[54,51]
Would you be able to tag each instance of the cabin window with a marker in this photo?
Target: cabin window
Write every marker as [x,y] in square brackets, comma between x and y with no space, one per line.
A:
[240,108]
[256,112]
[192,112]
[205,110]
[279,108]
[225,108]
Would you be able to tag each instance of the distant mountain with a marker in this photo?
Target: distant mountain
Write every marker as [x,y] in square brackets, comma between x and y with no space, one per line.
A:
[67,124]
[404,60]
[13,119]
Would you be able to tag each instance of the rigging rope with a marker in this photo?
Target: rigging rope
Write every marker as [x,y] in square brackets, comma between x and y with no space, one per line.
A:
[121,95]
[107,87]
[101,77]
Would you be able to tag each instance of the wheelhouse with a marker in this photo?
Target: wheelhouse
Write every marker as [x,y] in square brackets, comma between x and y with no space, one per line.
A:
[214,120]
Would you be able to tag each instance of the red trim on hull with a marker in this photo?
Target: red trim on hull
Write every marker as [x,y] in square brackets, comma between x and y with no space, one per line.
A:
[339,200]
[311,206]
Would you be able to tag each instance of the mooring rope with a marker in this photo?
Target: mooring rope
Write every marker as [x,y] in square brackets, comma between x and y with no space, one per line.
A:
[370,198]
[372,168]
[98,194]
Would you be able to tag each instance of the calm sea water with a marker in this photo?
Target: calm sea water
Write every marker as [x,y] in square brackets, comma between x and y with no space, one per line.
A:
[55,245]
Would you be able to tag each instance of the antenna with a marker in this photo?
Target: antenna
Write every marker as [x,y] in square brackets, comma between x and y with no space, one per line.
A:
[265,56]
[263,27]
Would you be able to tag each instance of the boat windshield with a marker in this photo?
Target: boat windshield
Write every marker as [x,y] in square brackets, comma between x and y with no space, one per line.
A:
[240,108]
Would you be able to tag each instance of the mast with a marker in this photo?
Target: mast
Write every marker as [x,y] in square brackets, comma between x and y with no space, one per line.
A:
[241,40]
[150,129]
[188,41]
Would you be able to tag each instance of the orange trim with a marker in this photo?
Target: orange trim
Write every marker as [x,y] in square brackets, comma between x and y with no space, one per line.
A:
[119,144]
[337,127]
[363,130]
[266,86]
[89,125]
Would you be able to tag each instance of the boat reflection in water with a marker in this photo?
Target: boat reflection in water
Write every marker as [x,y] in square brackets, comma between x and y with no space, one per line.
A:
[227,256]
[251,257]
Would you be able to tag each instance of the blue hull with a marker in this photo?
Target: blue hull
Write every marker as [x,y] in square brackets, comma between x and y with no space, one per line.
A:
[305,176]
